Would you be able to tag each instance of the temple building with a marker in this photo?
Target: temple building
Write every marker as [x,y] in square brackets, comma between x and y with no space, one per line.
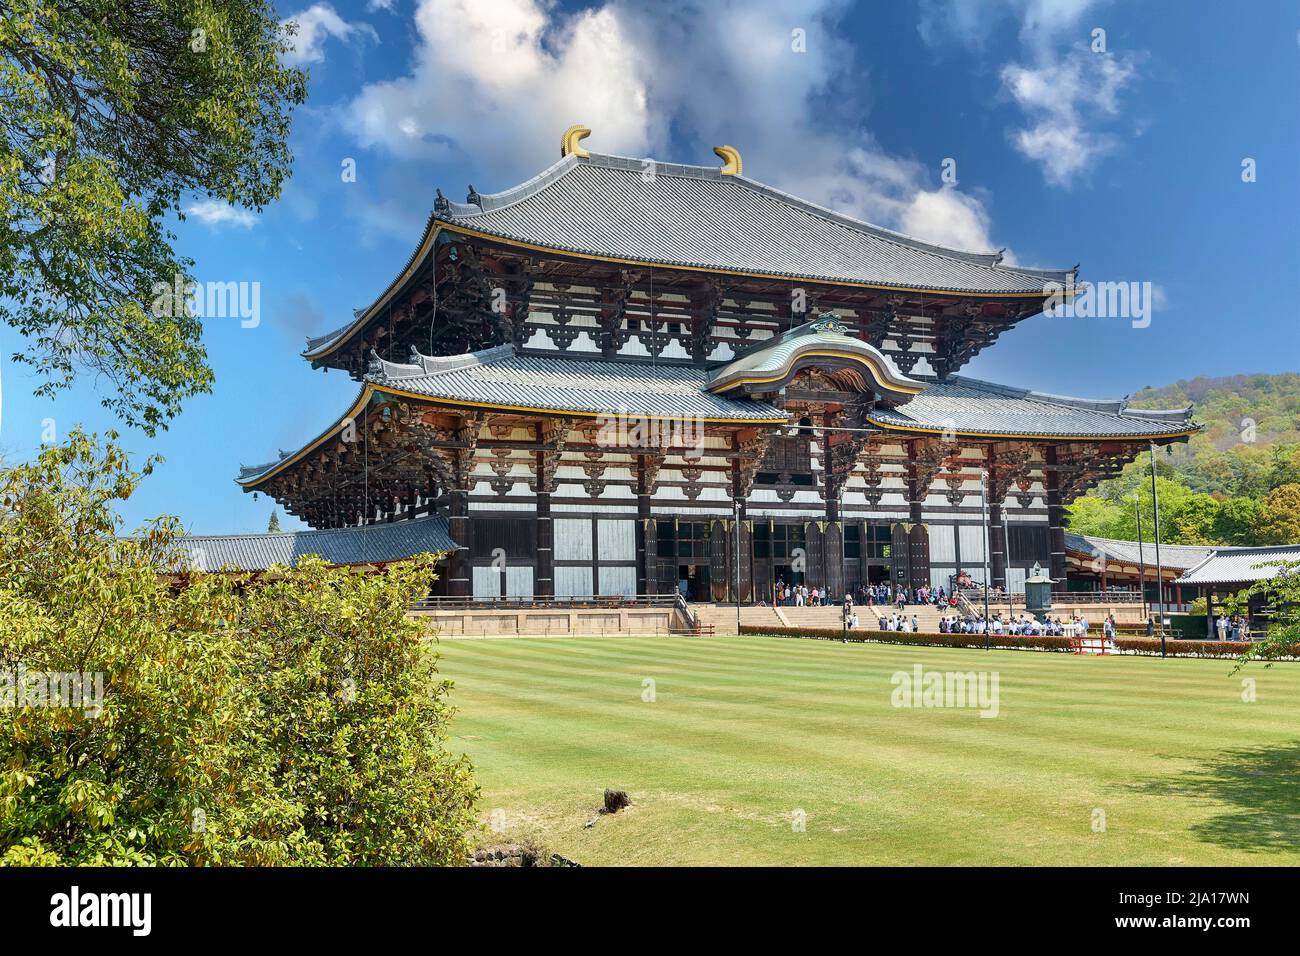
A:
[625,377]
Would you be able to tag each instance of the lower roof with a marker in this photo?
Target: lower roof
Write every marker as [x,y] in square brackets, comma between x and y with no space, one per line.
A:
[499,378]
[502,380]
[1172,556]
[967,406]
[369,544]
[1241,565]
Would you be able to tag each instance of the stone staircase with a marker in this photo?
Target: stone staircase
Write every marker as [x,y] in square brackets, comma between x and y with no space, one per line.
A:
[927,615]
[722,617]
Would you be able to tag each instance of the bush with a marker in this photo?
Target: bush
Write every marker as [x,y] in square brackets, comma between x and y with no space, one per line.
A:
[1001,641]
[1123,645]
[290,719]
[1151,646]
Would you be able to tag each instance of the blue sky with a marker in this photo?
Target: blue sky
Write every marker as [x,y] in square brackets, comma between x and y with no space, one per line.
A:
[1127,160]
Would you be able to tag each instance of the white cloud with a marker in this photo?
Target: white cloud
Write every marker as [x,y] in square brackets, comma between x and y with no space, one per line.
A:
[1065,90]
[316,24]
[1062,101]
[374,5]
[497,81]
[220,214]
[502,79]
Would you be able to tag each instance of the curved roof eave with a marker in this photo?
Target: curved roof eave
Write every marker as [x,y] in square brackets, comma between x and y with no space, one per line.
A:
[460,218]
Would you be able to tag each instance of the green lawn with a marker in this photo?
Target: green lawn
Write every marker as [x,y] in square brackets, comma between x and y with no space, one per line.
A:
[744,731]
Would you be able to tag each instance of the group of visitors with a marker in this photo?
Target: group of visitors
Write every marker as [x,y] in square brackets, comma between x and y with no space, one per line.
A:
[900,622]
[800,595]
[900,597]
[1021,624]
[1232,628]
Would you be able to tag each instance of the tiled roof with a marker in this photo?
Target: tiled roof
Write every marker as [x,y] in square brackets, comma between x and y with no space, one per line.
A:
[823,336]
[1240,565]
[1175,556]
[968,406]
[609,207]
[499,377]
[694,217]
[370,544]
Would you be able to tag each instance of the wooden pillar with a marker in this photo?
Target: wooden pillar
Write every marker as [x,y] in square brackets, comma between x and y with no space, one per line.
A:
[645,578]
[997,545]
[544,576]
[544,583]
[833,541]
[740,570]
[1055,515]
[461,529]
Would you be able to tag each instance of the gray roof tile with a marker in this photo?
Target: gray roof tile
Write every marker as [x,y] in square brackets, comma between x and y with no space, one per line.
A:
[499,377]
[365,545]
[1175,556]
[969,406]
[1241,565]
[694,216]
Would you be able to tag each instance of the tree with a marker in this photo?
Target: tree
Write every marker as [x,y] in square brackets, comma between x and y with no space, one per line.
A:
[1237,521]
[273,526]
[291,719]
[1283,636]
[1279,521]
[113,112]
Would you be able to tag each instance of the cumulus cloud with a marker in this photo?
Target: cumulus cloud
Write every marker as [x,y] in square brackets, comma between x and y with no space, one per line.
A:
[220,214]
[1066,91]
[316,24]
[499,80]
[1055,98]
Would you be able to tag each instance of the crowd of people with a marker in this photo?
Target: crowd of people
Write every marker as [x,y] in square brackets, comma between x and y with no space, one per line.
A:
[900,598]
[1232,628]
[1021,624]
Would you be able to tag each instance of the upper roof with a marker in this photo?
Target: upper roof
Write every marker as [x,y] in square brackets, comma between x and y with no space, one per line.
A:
[823,340]
[645,212]
[1240,565]
[498,378]
[370,544]
[1174,556]
[967,406]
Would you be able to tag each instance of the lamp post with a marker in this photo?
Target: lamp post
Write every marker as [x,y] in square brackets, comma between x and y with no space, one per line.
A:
[984,519]
[1142,562]
[1160,574]
[735,504]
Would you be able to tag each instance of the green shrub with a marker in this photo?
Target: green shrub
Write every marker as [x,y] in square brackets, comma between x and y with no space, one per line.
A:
[295,718]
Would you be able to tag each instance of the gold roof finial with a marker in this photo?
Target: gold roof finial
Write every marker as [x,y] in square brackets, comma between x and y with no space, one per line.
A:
[569,141]
[731,159]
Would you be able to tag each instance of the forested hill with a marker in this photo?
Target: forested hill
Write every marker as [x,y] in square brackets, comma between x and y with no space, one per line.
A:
[1227,404]
[1237,481]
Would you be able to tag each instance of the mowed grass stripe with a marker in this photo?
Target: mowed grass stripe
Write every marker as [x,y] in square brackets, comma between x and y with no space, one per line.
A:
[746,729]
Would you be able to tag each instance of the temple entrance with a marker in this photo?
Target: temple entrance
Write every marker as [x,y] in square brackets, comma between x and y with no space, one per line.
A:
[693,582]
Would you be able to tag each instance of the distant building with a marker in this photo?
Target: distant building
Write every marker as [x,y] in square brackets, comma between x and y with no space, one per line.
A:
[1102,564]
[1226,571]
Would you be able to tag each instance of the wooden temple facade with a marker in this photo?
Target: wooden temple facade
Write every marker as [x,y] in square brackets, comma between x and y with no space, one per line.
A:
[625,377]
